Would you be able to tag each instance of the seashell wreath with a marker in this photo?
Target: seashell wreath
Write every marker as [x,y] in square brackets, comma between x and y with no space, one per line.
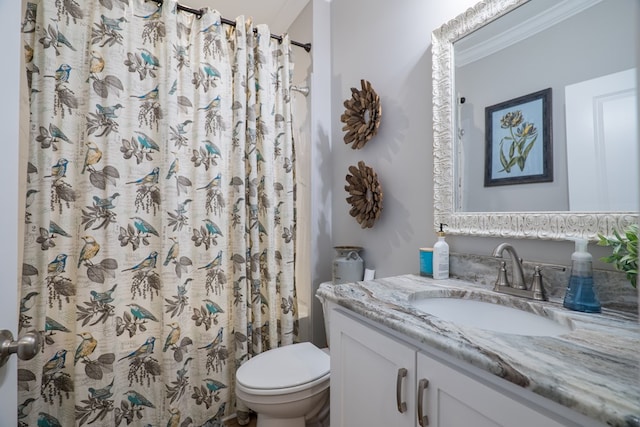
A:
[365,194]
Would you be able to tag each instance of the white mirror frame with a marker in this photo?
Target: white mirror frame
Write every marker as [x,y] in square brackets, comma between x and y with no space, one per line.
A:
[531,225]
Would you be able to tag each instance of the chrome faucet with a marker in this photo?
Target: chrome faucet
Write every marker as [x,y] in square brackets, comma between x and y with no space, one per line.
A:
[516,262]
[536,291]
[518,288]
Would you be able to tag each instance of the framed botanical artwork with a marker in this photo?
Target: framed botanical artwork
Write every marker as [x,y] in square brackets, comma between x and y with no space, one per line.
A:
[518,140]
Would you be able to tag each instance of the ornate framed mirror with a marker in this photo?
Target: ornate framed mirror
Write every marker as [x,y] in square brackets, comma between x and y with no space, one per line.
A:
[454,181]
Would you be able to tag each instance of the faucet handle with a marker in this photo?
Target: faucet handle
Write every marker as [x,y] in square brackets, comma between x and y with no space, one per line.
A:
[537,288]
[502,279]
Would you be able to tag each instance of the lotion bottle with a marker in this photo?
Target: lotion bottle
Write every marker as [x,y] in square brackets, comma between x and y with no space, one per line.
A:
[441,256]
[581,294]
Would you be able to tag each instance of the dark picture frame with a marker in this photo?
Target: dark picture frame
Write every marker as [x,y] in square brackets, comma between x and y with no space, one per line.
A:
[519,140]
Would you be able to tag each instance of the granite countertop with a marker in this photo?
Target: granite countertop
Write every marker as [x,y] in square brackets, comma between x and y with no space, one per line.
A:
[594,369]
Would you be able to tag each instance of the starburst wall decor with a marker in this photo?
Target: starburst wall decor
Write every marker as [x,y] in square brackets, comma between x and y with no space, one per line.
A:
[365,194]
[361,115]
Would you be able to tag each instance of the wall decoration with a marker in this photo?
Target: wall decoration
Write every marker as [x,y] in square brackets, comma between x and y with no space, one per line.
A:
[365,194]
[518,140]
[361,115]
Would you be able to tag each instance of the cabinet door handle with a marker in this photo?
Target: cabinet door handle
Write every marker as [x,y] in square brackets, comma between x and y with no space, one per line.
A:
[402,406]
[423,420]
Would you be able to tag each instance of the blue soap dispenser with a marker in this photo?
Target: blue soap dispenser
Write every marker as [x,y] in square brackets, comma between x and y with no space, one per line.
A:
[581,294]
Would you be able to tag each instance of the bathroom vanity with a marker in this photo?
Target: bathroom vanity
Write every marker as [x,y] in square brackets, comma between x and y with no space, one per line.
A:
[394,363]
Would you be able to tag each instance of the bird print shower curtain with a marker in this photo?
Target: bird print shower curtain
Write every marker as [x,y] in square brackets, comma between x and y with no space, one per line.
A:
[160,218]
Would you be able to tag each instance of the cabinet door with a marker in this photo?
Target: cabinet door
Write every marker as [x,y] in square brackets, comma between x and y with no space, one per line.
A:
[365,367]
[453,399]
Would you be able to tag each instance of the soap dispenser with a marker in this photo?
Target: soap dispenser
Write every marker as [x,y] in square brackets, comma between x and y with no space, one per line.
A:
[581,294]
[441,256]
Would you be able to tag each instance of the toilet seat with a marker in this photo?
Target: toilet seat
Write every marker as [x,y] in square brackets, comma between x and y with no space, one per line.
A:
[284,370]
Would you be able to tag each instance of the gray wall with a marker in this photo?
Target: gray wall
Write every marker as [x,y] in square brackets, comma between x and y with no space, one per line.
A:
[321,167]
[389,44]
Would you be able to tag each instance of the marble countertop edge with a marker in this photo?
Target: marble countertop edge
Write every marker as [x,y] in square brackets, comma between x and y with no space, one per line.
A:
[594,369]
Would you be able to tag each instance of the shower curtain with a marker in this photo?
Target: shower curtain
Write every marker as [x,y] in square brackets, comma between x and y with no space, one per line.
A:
[160,218]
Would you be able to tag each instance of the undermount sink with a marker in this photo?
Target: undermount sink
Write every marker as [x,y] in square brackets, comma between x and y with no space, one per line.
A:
[490,316]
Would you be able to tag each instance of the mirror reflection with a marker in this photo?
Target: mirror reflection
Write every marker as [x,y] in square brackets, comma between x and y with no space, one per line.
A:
[585,52]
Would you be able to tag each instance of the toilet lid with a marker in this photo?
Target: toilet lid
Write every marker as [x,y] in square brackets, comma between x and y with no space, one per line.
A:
[284,367]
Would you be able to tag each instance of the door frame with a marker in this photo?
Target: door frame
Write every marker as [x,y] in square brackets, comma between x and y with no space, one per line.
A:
[10,223]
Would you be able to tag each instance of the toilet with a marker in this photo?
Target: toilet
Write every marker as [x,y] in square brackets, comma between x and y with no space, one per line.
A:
[288,386]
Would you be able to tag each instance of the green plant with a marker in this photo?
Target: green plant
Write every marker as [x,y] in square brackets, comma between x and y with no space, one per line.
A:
[625,252]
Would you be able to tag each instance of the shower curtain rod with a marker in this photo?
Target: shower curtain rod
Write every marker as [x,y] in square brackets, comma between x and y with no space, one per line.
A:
[198,13]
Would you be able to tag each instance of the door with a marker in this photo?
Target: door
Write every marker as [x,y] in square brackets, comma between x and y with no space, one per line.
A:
[372,376]
[9,117]
[602,143]
[453,399]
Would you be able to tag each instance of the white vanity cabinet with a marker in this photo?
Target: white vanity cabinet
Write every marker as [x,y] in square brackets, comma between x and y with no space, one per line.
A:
[371,376]
[376,380]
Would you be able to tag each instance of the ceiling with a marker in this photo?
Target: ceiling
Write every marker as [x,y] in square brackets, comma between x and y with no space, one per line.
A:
[278,14]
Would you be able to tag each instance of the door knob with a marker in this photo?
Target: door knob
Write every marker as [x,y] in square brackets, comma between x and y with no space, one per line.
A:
[26,347]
